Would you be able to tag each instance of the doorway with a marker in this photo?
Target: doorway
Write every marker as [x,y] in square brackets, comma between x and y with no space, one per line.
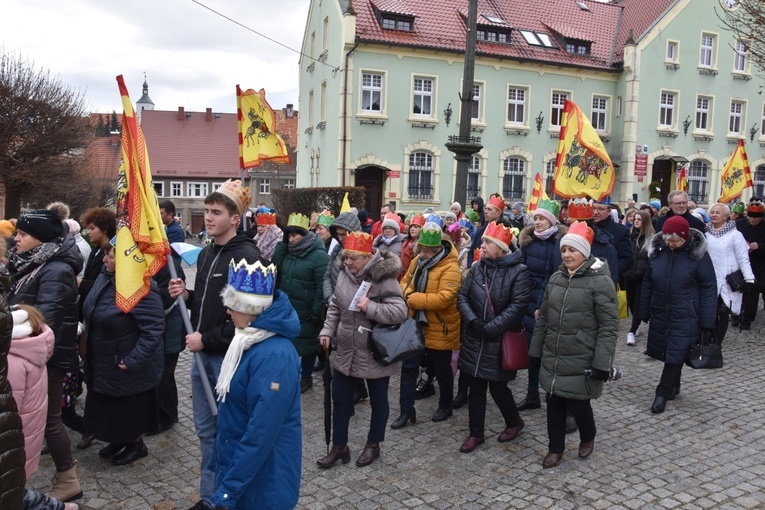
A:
[662,173]
[371,179]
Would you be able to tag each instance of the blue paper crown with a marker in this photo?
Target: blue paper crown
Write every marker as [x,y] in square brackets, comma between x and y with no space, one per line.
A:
[464,222]
[435,218]
[252,278]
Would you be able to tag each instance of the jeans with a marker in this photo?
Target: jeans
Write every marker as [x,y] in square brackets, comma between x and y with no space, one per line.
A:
[56,436]
[167,393]
[410,370]
[307,361]
[205,423]
[342,399]
[670,380]
[502,396]
[557,408]
[34,500]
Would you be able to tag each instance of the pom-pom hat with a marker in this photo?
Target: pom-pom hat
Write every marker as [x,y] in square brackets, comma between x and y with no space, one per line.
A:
[430,235]
[579,237]
[239,194]
[498,234]
[250,287]
[359,242]
[42,224]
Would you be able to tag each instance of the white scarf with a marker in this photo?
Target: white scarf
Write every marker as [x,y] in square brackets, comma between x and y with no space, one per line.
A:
[243,340]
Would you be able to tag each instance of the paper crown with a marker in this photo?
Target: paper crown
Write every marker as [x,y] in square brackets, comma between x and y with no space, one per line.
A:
[360,242]
[455,232]
[738,207]
[418,219]
[409,217]
[239,194]
[325,218]
[430,235]
[581,229]
[435,218]
[477,255]
[464,222]
[250,287]
[549,205]
[603,201]
[497,201]
[392,217]
[580,209]
[755,208]
[298,220]
[266,218]
[499,234]
[472,215]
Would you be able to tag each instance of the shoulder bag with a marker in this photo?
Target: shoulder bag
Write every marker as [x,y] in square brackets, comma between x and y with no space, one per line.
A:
[515,350]
[705,354]
[735,280]
[391,343]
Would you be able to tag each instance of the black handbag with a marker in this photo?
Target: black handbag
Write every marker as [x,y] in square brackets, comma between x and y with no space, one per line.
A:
[705,354]
[735,280]
[392,343]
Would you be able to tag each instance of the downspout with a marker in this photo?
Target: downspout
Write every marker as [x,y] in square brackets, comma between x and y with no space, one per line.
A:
[616,37]
[345,106]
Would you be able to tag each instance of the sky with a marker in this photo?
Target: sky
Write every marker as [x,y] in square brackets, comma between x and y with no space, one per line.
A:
[191,56]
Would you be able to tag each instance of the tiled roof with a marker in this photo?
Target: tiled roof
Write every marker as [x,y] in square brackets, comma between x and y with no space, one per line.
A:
[639,15]
[102,157]
[393,7]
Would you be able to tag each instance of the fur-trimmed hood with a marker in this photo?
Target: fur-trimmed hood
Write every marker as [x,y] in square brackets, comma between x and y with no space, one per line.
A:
[381,266]
[696,245]
[527,235]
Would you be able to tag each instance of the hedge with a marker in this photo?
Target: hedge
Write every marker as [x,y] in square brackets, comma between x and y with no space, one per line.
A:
[310,200]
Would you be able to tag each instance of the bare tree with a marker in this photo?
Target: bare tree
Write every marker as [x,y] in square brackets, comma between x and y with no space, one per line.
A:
[747,22]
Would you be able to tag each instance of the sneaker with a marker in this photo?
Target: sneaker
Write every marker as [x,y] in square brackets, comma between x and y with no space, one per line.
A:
[631,339]
[639,329]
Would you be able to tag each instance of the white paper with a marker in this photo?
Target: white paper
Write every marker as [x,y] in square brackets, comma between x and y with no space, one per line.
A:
[362,292]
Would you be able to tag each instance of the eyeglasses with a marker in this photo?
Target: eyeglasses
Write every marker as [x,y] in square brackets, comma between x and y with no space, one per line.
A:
[679,203]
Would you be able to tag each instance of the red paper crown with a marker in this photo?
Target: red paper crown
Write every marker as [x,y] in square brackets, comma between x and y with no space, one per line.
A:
[580,209]
[499,233]
[755,207]
[359,242]
[266,218]
[393,217]
[477,255]
[418,219]
[581,229]
[497,201]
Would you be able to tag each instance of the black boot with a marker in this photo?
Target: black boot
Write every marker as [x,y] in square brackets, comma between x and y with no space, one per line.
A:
[461,398]
[403,419]
[359,392]
[659,404]
[530,402]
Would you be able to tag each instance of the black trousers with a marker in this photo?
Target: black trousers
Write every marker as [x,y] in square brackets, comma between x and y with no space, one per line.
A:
[440,365]
[723,318]
[751,302]
[502,396]
[634,289]
[670,380]
[557,408]
[167,393]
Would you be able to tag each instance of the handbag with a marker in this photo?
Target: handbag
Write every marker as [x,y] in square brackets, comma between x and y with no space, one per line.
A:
[705,354]
[397,342]
[515,349]
[735,280]
[621,298]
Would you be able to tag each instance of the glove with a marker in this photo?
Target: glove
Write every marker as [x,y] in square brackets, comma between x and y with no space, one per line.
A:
[599,375]
[747,287]
[477,325]
[316,320]
[535,362]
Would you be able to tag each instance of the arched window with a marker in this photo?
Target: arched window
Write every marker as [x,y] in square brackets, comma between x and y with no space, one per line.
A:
[512,183]
[549,180]
[759,181]
[698,177]
[474,177]
[420,175]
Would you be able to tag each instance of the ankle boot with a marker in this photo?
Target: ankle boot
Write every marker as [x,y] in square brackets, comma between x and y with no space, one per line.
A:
[338,452]
[403,419]
[66,486]
[370,453]
[530,402]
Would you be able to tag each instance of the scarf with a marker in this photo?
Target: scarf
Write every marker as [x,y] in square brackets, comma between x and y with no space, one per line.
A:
[719,232]
[421,280]
[268,240]
[387,241]
[21,265]
[243,340]
[545,234]
[302,245]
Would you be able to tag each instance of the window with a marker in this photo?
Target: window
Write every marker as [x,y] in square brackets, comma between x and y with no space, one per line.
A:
[706,58]
[492,34]
[578,47]
[558,101]
[323,105]
[288,183]
[420,175]
[697,181]
[371,92]
[516,105]
[313,44]
[310,109]
[423,97]
[391,22]
[265,186]
[512,183]
[537,39]
[474,177]
[736,117]
[740,57]
[599,117]
[667,110]
[325,34]
[759,181]
[549,180]
[176,189]
[216,185]
[703,110]
[762,125]
[159,188]
[618,106]
[475,105]
[672,55]
[196,189]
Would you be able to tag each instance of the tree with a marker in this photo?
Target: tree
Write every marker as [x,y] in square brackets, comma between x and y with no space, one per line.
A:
[43,133]
[115,123]
[747,22]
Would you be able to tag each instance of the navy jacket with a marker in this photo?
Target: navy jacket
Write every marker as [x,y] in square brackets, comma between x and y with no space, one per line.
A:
[620,238]
[537,254]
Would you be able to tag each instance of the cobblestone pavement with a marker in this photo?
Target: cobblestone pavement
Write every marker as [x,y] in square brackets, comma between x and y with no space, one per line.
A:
[705,451]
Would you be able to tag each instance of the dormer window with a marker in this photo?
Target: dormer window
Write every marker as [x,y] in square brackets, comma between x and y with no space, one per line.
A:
[396,22]
[578,47]
[492,34]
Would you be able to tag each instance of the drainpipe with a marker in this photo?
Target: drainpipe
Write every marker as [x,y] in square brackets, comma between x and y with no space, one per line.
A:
[345,106]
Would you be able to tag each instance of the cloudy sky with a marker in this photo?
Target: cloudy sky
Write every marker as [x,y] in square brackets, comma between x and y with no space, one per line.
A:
[191,56]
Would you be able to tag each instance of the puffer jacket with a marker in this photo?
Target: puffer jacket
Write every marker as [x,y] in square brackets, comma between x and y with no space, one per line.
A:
[12,456]
[135,338]
[679,297]
[353,357]
[620,238]
[537,254]
[439,301]
[640,260]
[349,222]
[576,330]
[509,286]
[29,380]
[52,289]
[729,253]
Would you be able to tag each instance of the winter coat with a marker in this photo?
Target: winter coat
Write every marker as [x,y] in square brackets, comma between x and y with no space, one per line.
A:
[302,278]
[536,255]
[394,247]
[90,273]
[640,257]
[601,248]
[12,455]
[755,234]
[353,357]
[174,338]
[693,221]
[463,249]
[620,238]
[679,296]
[576,330]
[407,254]
[208,315]
[52,289]
[439,301]
[175,234]
[85,251]
[113,336]
[349,222]
[29,379]
[258,444]
[509,285]
[729,253]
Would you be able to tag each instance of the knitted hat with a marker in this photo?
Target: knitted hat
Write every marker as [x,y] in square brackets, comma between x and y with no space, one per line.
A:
[518,205]
[430,235]
[450,215]
[656,204]
[457,205]
[42,224]
[74,227]
[392,220]
[363,216]
[754,209]
[547,209]
[579,237]
[677,225]
[6,228]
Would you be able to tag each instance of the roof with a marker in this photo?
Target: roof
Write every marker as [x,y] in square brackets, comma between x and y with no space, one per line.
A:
[102,157]
[639,16]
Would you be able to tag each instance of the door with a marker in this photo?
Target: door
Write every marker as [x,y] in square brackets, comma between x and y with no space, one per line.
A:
[197,222]
[662,173]
[371,179]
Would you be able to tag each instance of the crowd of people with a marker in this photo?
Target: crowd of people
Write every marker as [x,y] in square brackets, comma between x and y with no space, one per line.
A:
[272,305]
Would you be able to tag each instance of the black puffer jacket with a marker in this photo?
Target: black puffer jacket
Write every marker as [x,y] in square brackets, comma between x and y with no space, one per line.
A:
[52,289]
[12,457]
[135,337]
[509,286]
[635,273]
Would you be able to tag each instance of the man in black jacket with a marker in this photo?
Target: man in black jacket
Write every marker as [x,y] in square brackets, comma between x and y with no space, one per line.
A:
[213,330]
[620,235]
[753,230]
[678,204]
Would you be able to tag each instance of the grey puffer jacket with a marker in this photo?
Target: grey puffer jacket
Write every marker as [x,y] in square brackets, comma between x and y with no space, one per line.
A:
[576,330]
[349,222]
[353,357]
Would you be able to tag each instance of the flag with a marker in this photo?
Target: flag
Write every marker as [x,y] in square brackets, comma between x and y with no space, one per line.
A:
[682,179]
[736,176]
[582,165]
[141,247]
[538,193]
[258,140]
[346,207]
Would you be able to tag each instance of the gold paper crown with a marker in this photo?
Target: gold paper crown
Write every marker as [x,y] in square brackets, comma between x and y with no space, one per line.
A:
[298,220]
[240,195]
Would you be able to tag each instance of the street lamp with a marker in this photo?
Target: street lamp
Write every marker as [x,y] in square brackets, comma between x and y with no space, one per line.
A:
[539,120]
[448,114]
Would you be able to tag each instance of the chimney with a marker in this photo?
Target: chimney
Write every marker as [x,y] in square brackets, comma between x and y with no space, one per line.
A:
[114,138]
[181,113]
[289,110]
[208,115]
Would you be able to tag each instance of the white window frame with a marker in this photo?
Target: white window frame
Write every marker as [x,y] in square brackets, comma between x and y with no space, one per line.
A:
[202,187]
[215,186]
[762,123]
[515,104]
[161,184]
[288,184]
[474,172]
[323,105]
[703,114]
[672,53]
[516,173]
[736,116]
[708,50]
[557,103]
[740,57]
[325,34]
[419,90]
[264,186]
[173,186]
[371,88]
[602,111]
[665,106]
[427,160]
[310,108]
[478,104]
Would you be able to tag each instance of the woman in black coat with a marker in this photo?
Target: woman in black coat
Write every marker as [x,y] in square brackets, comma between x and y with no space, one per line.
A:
[641,233]
[492,299]
[679,296]
[123,367]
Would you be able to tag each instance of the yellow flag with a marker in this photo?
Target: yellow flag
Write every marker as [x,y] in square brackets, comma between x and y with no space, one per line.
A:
[582,165]
[682,179]
[736,176]
[258,140]
[346,207]
[141,246]
[537,194]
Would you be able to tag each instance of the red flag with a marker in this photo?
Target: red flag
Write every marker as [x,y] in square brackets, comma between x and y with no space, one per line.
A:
[682,179]
[538,193]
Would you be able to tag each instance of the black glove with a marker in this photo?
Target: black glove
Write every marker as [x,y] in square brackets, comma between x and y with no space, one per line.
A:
[316,320]
[599,375]
[535,362]
[477,325]
[747,287]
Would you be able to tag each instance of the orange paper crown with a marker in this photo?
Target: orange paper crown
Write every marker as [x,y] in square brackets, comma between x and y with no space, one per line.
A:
[239,194]
[755,208]
[360,242]
[580,209]
[477,255]
[418,219]
[497,201]
[266,218]
[581,229]
[501,235]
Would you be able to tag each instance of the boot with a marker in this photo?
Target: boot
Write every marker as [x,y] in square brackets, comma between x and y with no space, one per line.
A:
[338,452]
[66,486]
[530,402]
[462,394]
[368,456]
